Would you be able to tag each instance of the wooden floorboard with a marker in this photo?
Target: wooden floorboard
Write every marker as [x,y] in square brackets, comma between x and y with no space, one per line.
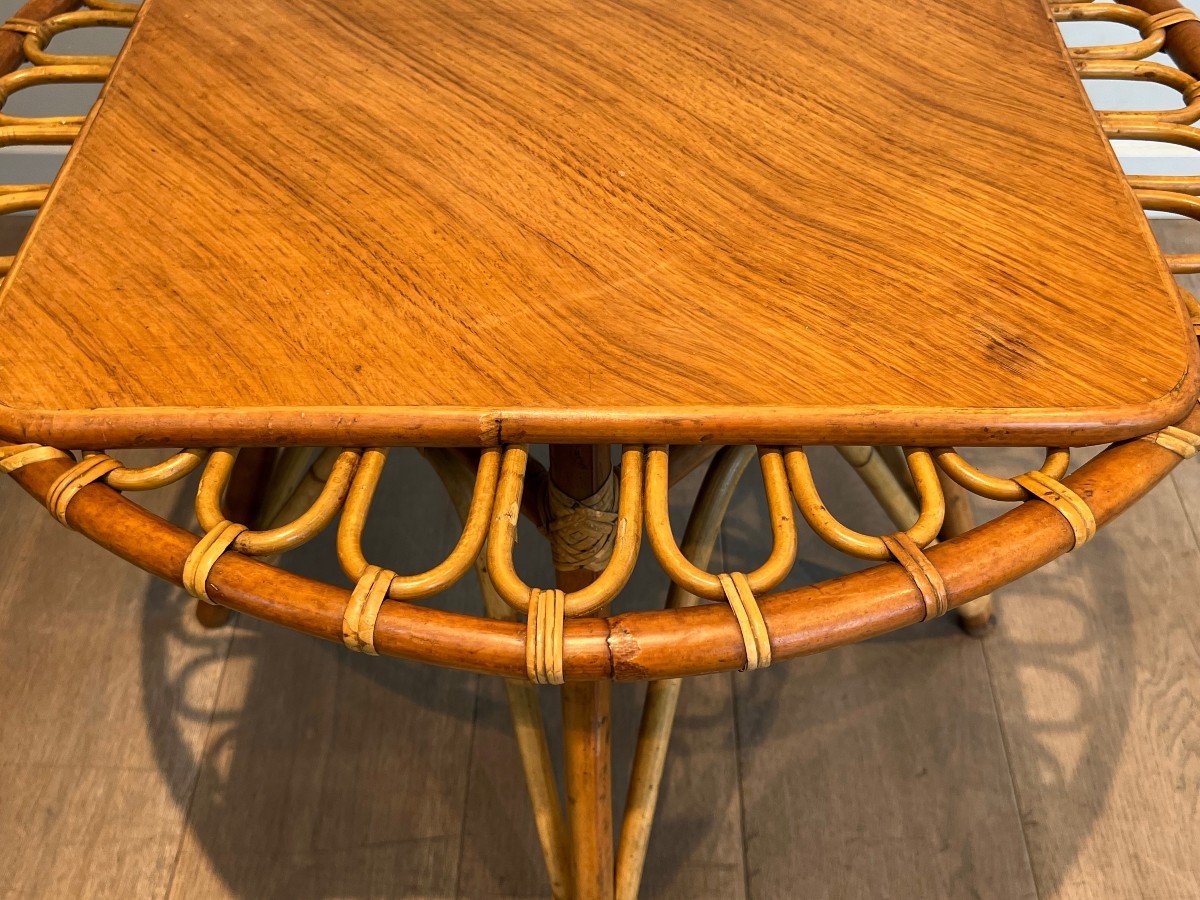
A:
[1096,669]
[877,769]
[108,686]
[330,773]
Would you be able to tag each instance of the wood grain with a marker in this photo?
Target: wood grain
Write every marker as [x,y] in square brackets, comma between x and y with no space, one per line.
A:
[464,222]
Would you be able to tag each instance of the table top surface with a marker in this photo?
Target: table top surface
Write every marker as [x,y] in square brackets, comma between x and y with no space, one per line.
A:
[463,221]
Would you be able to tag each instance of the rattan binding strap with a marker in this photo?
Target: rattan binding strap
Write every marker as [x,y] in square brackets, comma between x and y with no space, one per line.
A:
[21,455]
[750,620]
[21,26]
[1072,507]
[544,636]
[75,479]
[205,555]
[920,571]
[358,621]
[1170,17]
[1183,443]
[581,532]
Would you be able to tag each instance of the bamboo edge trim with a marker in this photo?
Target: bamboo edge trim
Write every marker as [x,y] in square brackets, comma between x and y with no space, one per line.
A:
[694,636]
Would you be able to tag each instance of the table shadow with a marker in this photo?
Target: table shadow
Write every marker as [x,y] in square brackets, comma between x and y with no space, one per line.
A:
[296,793]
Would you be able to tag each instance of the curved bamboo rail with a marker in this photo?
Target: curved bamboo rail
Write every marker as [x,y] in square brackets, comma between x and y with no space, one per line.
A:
[643,645]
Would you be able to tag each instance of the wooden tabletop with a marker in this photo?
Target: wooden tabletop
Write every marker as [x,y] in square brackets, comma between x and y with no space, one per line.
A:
[462,221]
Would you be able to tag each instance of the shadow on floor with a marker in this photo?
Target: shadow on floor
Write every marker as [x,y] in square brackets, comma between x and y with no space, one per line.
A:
[332,774]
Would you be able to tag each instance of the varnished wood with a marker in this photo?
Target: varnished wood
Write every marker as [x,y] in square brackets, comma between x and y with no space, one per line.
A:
[460,223]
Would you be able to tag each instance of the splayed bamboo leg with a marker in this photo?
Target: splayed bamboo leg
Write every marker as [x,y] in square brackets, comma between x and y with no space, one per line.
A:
[975,616]
[243,503]
[528,726]
[880,476]
[290,469]
[579,470]
[662,697]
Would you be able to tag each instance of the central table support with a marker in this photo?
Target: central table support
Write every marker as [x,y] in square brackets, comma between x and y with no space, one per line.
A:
[579,470]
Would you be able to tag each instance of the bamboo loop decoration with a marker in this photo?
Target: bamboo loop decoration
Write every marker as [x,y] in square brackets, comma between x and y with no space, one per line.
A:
[36,76]
[546,609]
[1153,35]
[43,32]
[148,478]
[333,467]
[454,566]
[829,529]
[1058,460]
[1193,309]
[737,589]
[515,592]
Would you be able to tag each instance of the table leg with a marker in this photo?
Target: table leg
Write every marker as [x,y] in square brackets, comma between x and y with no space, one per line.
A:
[579,471]
[458,475]
[243,501]
[976,615]
[662,697]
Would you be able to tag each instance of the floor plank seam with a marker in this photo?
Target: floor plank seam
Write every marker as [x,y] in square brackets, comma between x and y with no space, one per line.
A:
[466,804]
[185,819]
[1012,778]
[737,765]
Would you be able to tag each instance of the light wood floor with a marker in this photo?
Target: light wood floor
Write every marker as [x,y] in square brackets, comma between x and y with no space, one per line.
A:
[141,756]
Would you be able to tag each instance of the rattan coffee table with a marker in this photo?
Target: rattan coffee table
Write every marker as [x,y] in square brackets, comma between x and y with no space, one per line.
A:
[290,238]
